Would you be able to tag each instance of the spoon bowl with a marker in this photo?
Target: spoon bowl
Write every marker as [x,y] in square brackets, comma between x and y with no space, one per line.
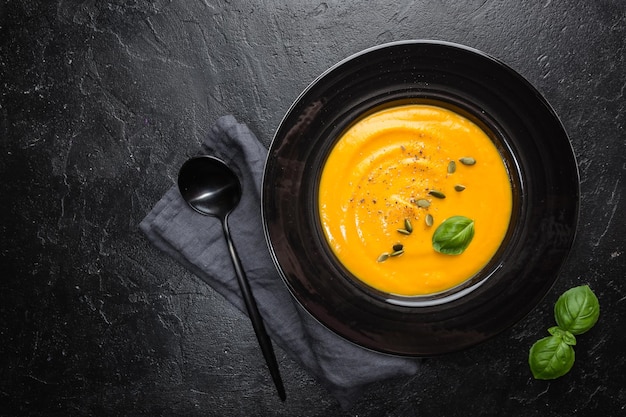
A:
[211,188]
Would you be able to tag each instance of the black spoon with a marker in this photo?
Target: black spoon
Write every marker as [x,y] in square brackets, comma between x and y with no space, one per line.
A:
[211,188]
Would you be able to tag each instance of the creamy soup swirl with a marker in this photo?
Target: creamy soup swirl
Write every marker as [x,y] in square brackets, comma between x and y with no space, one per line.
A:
[413,166]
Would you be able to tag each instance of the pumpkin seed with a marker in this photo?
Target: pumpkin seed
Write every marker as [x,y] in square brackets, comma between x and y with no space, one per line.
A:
[429,220]
[422,202]
[397,247]
[459,187]
[467,160]
[383,257]
[403,231]
[397,252]
[408,226]
[451,167]
[437,194]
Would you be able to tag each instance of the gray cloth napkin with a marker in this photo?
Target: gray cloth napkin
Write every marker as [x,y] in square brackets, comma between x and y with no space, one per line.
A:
[197,242]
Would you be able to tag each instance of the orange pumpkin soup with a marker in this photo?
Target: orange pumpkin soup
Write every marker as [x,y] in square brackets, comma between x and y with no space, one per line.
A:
[383,177]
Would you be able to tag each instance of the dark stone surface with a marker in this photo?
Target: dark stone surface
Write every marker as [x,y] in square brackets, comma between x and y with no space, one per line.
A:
[101,102]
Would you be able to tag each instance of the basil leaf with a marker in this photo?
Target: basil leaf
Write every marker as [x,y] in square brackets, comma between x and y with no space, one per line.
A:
[454,235]
[550,358]
[577,310]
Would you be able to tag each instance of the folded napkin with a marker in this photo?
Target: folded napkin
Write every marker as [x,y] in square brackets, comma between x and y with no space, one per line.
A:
[197,242]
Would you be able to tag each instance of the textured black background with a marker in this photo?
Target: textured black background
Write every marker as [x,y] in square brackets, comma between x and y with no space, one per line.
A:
[101,102]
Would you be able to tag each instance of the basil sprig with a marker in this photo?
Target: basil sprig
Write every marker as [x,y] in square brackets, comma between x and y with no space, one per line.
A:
[576,311]
[454,235]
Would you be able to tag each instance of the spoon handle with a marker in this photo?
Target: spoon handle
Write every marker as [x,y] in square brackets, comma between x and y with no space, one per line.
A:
[255,315]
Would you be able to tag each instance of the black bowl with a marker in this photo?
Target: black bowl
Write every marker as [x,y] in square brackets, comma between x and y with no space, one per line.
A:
[533,145]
